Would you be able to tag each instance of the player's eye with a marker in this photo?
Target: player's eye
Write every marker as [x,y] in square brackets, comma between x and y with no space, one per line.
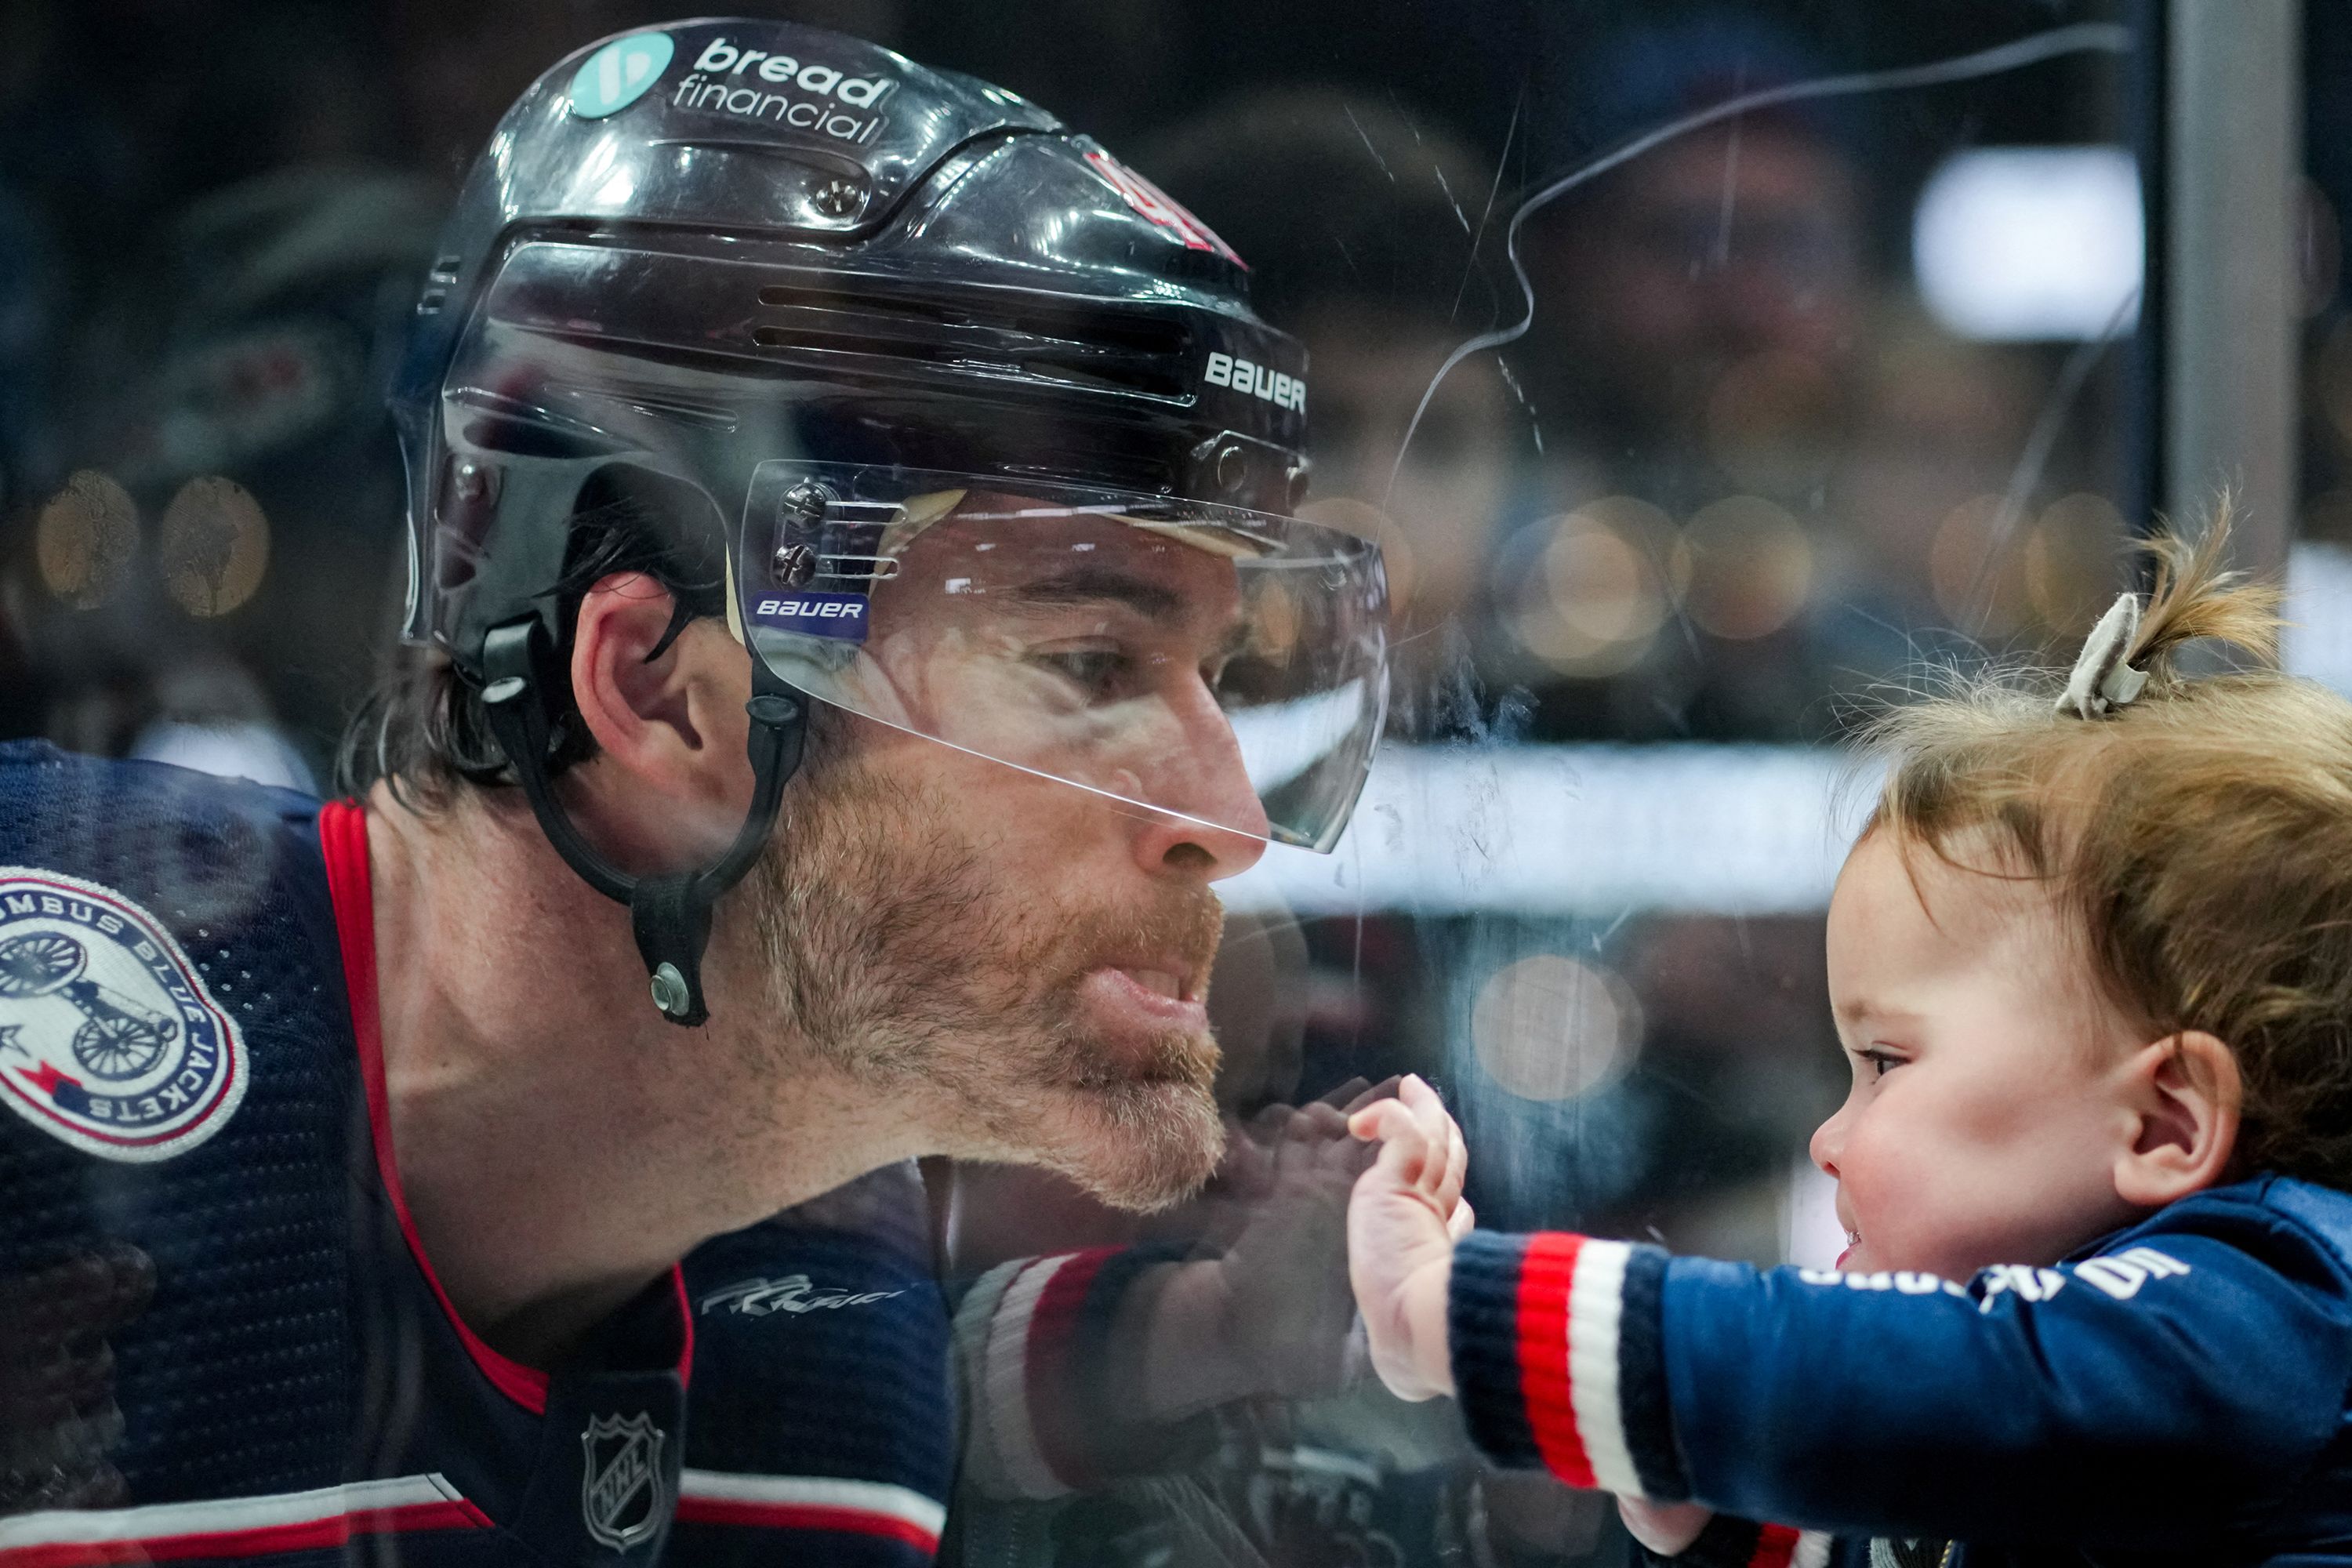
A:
[1102,673]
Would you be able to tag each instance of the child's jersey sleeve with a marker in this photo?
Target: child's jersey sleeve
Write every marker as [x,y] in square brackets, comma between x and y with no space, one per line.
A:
[2195,1368]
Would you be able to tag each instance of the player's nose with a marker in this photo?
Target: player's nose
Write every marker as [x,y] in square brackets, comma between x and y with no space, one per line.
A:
[1211,823]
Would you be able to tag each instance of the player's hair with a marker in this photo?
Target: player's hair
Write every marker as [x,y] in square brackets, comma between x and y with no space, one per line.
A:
[2200,836]
[424,730]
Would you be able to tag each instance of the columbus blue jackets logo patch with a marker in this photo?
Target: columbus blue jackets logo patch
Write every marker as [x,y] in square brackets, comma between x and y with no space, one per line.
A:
[109,1040]
[621,1480]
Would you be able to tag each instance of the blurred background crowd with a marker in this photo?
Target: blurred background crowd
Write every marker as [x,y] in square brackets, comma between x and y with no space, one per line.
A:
[1812,397]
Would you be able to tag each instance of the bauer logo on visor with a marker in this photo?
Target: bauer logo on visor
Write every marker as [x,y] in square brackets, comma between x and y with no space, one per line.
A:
[617,75]
[841,615]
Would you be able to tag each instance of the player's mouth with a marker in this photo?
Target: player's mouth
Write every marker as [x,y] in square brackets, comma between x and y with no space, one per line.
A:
[1852,1240]
[1147,994]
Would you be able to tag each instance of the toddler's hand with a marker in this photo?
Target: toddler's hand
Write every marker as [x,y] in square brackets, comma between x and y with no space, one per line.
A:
[1665,1528]
[1402,1220]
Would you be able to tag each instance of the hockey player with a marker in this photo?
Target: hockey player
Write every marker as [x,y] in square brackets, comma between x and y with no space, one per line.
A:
[2090,963]
[831,480]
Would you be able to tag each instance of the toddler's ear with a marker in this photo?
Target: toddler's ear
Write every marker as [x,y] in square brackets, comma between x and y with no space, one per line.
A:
[2185,1092]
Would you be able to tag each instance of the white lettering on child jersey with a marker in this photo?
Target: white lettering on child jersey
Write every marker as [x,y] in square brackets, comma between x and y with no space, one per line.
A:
[2122,1275]
[2018,1279]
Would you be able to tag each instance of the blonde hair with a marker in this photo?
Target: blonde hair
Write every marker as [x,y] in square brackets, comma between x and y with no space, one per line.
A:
[2200,836]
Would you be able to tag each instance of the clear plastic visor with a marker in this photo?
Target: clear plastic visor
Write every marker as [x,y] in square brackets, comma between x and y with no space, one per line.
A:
[1214,664]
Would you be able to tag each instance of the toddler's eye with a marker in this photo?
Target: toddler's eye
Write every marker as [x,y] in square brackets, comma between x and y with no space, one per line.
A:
[1881,1062]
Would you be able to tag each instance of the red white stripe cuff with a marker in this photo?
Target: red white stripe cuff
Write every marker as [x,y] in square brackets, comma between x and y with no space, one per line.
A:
[1556,1348]
[1004,1382]
[1595,1319]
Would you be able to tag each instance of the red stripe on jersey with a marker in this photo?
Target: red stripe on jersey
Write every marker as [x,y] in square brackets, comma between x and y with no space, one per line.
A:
[342,841]
[805,1515]
[342,838]
[1547,1276]
[305,1535]
[1776,1547]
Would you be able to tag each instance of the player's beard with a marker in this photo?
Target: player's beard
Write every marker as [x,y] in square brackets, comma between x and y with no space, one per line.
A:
[897,958]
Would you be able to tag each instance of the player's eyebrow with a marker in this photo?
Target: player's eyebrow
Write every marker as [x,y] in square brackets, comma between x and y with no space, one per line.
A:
[1155,602]
[1100,584]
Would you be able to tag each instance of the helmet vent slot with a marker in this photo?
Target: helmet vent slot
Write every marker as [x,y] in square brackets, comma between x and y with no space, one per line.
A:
[1069,345]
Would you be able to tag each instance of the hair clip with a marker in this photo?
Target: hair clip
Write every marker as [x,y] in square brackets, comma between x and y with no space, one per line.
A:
[2101,681]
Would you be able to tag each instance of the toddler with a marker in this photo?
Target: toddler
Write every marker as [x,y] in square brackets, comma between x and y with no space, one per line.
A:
[2090,961]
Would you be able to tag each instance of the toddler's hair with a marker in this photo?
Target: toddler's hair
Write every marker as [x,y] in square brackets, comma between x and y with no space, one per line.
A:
[2200,836]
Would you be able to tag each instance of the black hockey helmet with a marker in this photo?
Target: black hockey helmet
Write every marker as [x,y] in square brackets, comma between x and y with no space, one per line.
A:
[947,376]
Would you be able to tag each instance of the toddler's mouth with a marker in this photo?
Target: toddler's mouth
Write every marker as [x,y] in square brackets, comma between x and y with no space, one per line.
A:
[1852,1240]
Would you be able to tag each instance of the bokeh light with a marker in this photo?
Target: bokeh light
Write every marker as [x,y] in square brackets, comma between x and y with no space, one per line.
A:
[1599,592]
[214,545]
[1548,1027]
[1748,567]
[2056,570]
[2073,570]
[85,538]
[1976,579]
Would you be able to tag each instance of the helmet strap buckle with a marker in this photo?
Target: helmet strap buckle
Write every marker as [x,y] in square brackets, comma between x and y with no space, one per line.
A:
[670,915]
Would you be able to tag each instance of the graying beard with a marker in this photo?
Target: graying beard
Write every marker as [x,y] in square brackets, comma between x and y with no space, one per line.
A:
[878,989]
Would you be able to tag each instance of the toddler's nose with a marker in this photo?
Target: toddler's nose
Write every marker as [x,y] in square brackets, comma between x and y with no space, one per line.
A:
[1828,1144]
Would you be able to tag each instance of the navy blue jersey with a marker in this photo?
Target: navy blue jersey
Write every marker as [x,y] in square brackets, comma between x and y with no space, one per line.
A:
[224,1340]
[2180,1392]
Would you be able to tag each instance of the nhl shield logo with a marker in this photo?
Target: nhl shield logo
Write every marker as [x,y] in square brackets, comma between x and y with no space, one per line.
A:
[621,1480]
[109,1040]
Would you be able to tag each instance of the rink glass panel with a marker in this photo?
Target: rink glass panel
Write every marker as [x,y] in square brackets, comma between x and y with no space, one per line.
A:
[1809,399]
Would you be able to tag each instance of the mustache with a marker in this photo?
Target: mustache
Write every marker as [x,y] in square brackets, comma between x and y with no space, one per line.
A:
[1189,924]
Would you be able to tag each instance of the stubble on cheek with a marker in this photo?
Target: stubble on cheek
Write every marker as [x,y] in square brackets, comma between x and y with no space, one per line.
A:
[895,958]
[1134,1123]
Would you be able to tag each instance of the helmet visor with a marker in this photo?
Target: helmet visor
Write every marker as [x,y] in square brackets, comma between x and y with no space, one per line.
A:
[1207,662]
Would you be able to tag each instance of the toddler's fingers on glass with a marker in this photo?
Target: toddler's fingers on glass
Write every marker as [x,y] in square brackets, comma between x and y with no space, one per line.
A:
[1355,1094]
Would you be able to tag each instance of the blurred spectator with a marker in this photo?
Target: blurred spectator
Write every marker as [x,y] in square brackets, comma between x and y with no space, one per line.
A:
[1695,325]
[28,325]
[1730,255]
[1771,485]
[230,460]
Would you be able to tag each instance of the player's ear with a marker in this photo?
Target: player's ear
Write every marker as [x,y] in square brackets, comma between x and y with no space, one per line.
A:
[670,774]
[2184,1093]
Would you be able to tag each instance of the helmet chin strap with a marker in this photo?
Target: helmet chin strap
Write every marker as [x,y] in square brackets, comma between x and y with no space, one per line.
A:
[671,915]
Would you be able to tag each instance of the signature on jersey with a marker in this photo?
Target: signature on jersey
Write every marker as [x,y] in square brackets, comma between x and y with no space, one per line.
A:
[792,1293]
